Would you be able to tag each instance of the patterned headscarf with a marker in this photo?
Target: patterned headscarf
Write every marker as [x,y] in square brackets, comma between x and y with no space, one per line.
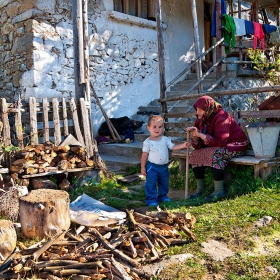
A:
[210,106]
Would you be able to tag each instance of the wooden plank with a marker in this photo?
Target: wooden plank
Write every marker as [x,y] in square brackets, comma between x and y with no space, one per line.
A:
[33,121]
[6,123]
[175,134]
[76,121]
[18,126]
[259,114]
[57,172]
[57,132]
[65,120]
[46,127]
[86,127]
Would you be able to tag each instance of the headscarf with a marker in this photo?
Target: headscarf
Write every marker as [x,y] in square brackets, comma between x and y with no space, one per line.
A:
[210,106]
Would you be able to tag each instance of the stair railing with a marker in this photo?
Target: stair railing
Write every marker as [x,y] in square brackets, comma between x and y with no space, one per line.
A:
[193,63]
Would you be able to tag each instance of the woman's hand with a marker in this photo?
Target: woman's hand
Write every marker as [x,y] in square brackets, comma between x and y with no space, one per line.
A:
[193,131]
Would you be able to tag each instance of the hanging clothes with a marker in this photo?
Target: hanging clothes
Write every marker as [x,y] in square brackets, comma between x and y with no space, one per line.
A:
[249,27]
[240,26]
[258,35]
[223,11]
[229,32]
[267,28]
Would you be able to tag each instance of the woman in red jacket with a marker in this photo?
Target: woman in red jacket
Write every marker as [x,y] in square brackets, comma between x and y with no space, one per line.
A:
[216,138]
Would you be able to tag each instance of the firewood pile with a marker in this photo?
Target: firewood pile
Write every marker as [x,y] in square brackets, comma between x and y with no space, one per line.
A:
[47,157]
[102,252]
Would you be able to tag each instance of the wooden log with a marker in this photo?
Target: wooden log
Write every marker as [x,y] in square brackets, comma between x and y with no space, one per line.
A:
[44,213]
[42,183]
[18,126]
[8,239]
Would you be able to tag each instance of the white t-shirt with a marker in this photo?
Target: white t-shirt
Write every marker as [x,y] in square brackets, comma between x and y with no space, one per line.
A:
[158,150]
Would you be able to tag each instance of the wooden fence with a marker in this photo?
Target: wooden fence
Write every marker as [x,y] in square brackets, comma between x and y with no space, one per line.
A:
[37,121]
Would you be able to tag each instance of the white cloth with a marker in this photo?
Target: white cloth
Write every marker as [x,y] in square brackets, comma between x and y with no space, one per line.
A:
[158,150]
[240,26]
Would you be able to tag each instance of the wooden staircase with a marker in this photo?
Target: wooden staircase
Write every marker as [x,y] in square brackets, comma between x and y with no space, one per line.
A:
[118,156]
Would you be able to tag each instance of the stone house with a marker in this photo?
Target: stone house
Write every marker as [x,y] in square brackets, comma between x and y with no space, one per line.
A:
[37,56]
[37,52]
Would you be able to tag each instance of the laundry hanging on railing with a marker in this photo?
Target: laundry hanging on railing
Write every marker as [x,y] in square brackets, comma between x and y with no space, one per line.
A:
[229,32]
[239,27]
[258,35]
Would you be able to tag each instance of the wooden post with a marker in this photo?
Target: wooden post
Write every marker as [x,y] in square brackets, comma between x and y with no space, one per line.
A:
[18,126]
[218,37]
[161,56]
[76,23]
[46,120]
[56,122]
[240,37]
[196,44]
[6,123]
[33,121]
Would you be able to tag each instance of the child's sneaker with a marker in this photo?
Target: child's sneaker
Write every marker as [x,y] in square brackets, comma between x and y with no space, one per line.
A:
[167,200]
[153,204]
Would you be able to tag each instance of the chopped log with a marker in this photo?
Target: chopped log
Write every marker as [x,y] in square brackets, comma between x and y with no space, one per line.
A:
[44,213]
[61,149]
[42,183]
[188,232]
[31,170]
[8,238]
[16,169]
[63,165]
[67,272]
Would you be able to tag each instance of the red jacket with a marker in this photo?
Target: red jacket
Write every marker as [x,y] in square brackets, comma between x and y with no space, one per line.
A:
[222,131]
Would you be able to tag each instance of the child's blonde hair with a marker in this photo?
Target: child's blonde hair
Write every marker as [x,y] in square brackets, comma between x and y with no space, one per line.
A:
[154,118]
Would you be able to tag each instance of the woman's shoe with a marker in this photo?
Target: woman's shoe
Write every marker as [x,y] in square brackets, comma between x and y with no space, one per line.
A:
[195,195]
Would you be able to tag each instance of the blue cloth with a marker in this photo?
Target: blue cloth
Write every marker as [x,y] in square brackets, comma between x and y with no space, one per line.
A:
[267,28]
[223,11]
[157,181]
[249,27]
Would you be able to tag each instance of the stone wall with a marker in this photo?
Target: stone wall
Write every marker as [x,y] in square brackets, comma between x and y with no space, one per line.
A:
[37,55]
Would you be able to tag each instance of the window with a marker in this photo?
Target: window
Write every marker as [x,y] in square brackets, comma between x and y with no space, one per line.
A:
[138,8]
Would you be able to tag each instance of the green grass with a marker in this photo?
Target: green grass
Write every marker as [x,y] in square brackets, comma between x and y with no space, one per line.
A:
[230,221]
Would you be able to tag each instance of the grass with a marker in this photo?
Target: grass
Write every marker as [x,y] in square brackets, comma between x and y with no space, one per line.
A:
[230,221]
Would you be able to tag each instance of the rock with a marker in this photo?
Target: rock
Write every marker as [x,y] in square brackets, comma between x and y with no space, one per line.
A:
[264,221]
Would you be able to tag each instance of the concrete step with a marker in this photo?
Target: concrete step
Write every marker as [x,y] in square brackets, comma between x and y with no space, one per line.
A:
[186,86]
[133,149]
[119,163]
[192,76]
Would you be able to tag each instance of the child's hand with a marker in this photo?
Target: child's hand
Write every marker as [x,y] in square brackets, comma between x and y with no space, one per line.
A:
[143,171]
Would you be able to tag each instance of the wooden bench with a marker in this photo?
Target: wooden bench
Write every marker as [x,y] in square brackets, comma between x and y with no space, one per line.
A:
[262,166]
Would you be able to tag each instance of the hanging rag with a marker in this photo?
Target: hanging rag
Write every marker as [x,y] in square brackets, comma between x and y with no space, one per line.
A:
[229,32]
[267,28]
[249,27]
[223,11]
[274,37]
[240,26]
[258,35]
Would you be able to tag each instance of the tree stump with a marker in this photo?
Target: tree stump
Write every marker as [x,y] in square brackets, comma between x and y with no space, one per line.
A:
[8,238]
[44,213]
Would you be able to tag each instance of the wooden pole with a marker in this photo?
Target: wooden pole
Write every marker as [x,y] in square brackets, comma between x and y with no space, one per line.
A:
[240,37]
[78,86]
[196,44]
[161,56]
[218,37]
[187,167]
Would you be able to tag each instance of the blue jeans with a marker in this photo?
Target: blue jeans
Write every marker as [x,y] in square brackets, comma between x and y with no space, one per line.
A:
[157,181]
